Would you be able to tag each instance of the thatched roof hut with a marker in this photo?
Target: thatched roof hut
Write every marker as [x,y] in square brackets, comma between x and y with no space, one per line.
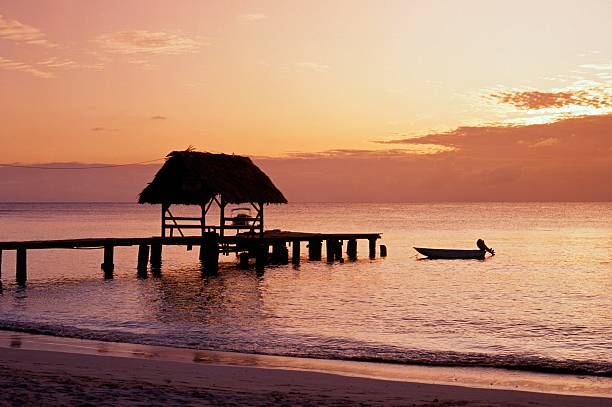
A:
[194,178]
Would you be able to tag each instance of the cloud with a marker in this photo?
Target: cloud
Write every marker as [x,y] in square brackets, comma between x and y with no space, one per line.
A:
[159,118]
[56,62]
[252,17]
[148,42]
[533,100]
[569,160]
[11,65]
[313,66]
[405,151]
[13,30]
[547,142]
[586,137]
[103,129]
[598,67]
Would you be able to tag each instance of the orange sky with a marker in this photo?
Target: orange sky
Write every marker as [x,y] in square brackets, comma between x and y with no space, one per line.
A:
[124,81]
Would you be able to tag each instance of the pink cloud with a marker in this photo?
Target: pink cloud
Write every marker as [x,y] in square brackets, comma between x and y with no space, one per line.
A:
[14,30]
[147,42]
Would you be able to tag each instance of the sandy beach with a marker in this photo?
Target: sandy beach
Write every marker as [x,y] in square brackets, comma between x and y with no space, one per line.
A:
[77,376]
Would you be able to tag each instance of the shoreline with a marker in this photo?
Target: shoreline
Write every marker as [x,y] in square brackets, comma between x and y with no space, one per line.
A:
[62,359]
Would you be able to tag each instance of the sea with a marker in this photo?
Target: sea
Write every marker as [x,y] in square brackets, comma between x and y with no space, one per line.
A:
[543,303]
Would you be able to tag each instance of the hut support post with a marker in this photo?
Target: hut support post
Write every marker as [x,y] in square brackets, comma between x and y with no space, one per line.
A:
[163,220]
[203,218]
[143,259]
[351,249]
[107,264]
[222,217]
[372,247]
[261,220]
[0,268]
[295,252]
[314,249]
[21,269]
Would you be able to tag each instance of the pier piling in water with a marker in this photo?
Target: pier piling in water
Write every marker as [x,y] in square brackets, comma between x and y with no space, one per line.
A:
[244,260]
[338,251]
[21,269]
[314,249]
[210,252]
[383,250]
[330,250]
[295,252]
[107,265]
[372,248]
[156,256]
[261,256]
[143,260]
[351,249]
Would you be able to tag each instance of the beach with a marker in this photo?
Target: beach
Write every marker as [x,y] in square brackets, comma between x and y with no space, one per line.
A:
[58,378]
[77,372]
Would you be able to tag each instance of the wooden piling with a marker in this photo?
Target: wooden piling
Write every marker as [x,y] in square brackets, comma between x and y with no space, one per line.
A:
[244,260]
[143,260]
[107,264]
[338,251]
[372,247]
[261,256]
[21,269]
[284,254]
[383,250]
[211,254]
[314,249]
[0,267]
[330,250]
[351,249]
[156,254]
[295,252]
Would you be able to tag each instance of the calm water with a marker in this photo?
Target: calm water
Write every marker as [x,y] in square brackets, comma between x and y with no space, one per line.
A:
[544,302]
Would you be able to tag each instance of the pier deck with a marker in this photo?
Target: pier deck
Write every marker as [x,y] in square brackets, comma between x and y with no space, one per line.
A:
[246,245]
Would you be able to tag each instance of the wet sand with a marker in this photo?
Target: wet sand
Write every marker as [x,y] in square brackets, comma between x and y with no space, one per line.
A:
[42,370]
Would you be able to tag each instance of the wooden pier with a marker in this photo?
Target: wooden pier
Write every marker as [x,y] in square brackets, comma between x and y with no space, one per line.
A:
[205,180]
[271,247]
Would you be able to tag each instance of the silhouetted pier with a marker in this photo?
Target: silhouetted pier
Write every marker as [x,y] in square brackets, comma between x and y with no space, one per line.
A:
[232,184]
[271,247]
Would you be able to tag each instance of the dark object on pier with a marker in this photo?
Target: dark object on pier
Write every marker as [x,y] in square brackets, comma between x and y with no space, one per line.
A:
[449,254]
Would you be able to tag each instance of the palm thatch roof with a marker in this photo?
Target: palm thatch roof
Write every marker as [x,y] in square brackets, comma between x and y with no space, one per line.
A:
[193,178]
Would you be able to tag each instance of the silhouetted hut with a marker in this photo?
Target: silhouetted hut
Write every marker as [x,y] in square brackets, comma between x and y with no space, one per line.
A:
[203,179]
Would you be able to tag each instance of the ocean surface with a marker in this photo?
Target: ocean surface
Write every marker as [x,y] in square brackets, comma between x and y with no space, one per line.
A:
[543,303]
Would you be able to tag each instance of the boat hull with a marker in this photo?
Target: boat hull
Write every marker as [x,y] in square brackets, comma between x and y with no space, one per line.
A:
[450,254]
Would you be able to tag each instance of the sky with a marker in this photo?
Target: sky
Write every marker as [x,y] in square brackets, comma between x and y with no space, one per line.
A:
[358,100]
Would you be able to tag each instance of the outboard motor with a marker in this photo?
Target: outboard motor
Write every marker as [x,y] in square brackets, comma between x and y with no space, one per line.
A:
[482,246]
